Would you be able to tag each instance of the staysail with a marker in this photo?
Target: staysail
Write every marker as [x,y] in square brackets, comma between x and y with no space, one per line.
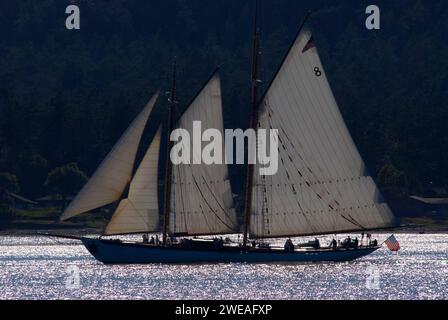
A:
[114,173]
[201,197]
[139,212]
[322,185]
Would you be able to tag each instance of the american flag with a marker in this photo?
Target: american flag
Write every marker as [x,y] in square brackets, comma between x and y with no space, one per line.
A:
[393,244]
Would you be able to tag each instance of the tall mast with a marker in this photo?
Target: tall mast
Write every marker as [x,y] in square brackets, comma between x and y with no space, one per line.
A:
[169,165]
[253,121]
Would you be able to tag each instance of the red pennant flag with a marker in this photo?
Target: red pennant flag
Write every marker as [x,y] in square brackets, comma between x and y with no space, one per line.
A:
[310,44]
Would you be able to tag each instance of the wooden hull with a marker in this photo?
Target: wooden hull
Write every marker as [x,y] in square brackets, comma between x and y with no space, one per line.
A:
[113,252]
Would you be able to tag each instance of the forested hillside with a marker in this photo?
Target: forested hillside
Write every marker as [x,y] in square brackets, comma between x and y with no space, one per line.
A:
[67,95]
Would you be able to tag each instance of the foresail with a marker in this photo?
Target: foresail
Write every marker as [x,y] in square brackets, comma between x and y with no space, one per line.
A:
[113,175]
[201,197]
[322,185]
[139,213]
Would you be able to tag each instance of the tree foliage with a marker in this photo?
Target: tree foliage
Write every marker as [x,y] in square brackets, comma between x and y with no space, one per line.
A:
[66,96]
[65,180]
[390,177]
[9,182]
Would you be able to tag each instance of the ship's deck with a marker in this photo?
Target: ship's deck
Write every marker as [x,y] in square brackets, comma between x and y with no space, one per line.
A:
[210,245]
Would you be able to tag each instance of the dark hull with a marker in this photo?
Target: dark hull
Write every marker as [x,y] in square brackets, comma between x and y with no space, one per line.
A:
[113,252]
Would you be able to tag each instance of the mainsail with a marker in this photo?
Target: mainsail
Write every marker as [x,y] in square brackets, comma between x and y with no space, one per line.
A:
[114,173]
[201,197]
[321,185]
[139,212]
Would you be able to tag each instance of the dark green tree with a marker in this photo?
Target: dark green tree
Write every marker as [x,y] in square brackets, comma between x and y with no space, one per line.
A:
[391,177]
[65,180]
[34,170]
[9,182]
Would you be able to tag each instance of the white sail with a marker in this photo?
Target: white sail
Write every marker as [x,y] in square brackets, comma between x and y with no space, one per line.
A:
[139,213]
[114,173]
[201,197]
[321,185]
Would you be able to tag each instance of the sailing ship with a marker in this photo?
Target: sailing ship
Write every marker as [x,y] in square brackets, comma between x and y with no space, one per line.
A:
[322,186]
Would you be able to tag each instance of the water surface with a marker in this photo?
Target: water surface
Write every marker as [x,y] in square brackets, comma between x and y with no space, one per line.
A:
[41,268]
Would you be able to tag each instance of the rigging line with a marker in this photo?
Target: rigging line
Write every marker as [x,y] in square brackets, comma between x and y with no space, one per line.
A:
[288,176]
[217,201]
[142,216]
[205,217]
[308,87]
[185,213]
[319,197]
[290,103]
[306,94]
[206,202]
[334,116]
[311,141]
[182,201]
[353,219]
[211,209]
[300,157]
[208,176]
[306,171]
[206,171]
[297,152]
[290,84]
[332,163]
[172,204]
[298,170]
[353,222]
[293,203]
[308,184]
[202,212]
[271,178]
[305,214]
[266,205]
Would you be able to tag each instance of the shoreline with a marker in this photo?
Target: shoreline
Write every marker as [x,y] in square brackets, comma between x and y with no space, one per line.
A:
[97,231]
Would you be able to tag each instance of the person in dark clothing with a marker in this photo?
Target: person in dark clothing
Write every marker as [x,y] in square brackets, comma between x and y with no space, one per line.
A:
[316,243]
[356,243]
[289,246]
[334,244]
[347,243]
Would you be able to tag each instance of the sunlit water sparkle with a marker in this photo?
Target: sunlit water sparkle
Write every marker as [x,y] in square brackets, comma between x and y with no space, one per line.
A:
[37,268]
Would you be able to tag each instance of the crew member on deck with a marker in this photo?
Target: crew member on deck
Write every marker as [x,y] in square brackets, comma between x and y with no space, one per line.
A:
[348,242]
[289,246]
[316,243]
[334,244]
[145,238]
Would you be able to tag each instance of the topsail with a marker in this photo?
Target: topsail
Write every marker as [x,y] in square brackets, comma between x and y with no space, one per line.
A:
[114,174]
[322,185]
